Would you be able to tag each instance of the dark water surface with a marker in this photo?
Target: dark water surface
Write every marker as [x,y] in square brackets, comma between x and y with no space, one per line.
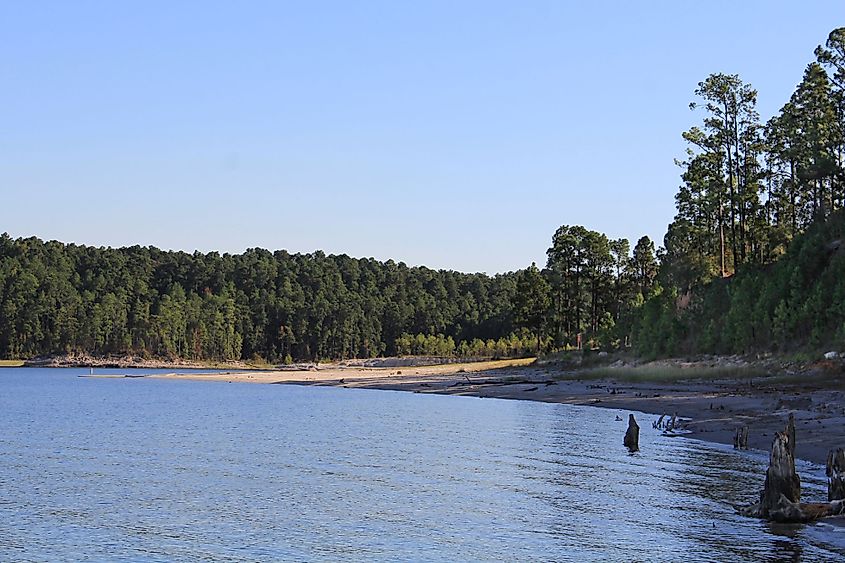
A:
[157,470]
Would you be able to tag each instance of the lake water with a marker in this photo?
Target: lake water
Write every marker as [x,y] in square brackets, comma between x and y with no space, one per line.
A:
[159,470]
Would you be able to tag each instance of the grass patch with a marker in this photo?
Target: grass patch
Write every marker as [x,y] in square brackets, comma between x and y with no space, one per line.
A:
[11,363]
[664,374]
[260,364]
[818,378]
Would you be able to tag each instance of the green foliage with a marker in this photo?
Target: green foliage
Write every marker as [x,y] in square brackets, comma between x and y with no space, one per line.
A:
[596,287]
[515,345]
[762,209]
[531,302]
[425,345]
[57,298]
[797,302]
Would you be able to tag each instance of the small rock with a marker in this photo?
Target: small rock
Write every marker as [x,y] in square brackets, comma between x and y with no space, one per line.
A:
[831,355]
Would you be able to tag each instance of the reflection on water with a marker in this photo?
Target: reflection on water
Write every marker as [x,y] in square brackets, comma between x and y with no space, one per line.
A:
[167,470]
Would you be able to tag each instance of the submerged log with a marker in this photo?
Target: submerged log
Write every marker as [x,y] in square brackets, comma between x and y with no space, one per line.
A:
[836,475]
[780,499]
[632,435]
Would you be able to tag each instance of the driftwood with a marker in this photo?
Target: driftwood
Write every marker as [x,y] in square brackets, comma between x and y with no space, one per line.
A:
[780,499]
[632,435]
[836,475]
[668,424]
[741,438]
[672,422]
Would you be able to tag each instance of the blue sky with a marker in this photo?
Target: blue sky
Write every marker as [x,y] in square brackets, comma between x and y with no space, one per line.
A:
[454,134]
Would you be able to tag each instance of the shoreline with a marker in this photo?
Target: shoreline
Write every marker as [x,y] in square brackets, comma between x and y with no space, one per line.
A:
[712,409]
[128,362]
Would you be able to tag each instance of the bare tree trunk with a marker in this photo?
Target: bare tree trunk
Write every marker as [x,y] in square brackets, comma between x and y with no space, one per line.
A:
[792,199]
[731,187]
[722,238]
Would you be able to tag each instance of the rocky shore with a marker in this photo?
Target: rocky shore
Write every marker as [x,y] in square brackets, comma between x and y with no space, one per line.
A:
[127,361]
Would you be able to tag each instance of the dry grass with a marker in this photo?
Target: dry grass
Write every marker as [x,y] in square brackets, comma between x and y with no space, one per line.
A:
[666,373]
[818,378]
[11,363]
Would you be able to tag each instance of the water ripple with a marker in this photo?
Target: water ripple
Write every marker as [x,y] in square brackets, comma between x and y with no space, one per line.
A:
[153,470]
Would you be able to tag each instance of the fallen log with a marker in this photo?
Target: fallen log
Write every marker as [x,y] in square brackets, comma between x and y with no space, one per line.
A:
[780,500]
[632,435]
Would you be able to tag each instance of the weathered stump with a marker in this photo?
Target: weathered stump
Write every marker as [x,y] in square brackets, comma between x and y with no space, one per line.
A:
[790,431]
[782,488]
[741,438]
[781,497]
[836,475]
[632,435]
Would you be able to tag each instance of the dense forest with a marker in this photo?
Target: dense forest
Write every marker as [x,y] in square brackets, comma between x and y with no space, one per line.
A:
[57,298]
[751,262]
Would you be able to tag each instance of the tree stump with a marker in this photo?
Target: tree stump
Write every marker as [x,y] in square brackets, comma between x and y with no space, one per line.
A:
[783,486]
[790,431]
[632,435]
[781,497]
[741,438]
[836,475]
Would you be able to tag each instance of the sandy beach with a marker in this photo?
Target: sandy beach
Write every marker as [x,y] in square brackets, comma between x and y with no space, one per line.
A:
[712,409]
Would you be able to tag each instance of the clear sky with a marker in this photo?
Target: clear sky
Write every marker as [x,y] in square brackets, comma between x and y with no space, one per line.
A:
[455,134]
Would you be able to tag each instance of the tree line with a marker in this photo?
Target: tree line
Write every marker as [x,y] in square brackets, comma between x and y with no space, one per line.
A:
[59,298]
